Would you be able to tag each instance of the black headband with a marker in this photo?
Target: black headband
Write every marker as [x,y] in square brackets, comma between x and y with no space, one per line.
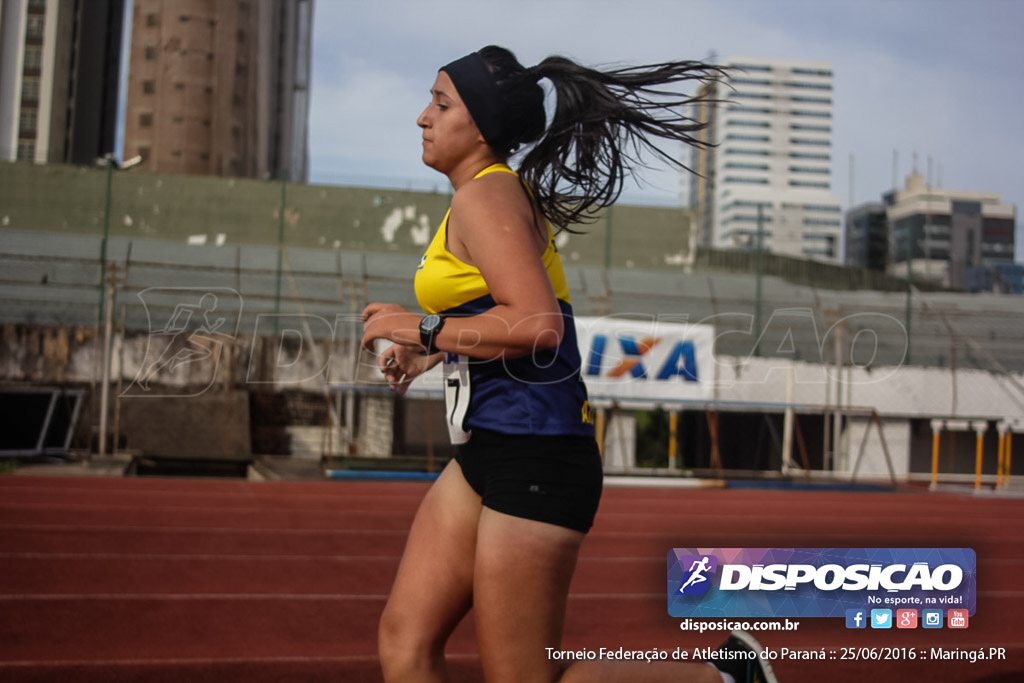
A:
[479,92]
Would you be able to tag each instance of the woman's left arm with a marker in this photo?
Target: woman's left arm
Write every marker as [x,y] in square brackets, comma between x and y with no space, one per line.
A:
[493,228]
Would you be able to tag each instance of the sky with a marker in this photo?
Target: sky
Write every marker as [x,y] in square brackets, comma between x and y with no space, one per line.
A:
[939,83]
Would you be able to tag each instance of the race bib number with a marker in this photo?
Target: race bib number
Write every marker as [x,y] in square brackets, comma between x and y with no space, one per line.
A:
[456,395]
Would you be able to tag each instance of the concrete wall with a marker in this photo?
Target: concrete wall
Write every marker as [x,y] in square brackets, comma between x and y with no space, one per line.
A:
[231,211]
[211,424]
[191,395]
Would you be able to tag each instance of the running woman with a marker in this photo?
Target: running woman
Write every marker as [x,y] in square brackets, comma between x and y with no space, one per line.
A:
[501,528]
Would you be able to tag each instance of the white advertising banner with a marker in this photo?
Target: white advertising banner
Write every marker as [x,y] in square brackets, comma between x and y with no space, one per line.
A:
[628,359]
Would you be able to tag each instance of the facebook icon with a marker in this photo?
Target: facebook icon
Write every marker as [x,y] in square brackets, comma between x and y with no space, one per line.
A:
[856,618]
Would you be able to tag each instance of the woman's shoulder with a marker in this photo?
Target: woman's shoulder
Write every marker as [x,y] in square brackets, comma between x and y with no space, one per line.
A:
[488,189]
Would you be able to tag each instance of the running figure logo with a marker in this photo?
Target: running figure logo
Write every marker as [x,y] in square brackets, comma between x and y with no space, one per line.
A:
[185,349]
[696,580]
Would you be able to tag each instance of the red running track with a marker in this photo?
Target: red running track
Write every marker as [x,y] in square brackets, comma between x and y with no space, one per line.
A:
[106,579]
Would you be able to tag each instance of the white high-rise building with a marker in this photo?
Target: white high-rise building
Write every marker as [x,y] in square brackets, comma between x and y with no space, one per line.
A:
[771,166]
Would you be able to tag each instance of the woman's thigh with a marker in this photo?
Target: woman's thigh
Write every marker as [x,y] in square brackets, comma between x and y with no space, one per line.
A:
[433,588]
[520,588]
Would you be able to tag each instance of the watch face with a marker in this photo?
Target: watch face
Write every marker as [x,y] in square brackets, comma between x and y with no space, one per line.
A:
[430,322]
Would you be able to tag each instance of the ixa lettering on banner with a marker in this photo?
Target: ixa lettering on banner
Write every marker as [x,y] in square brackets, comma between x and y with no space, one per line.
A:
[646,359]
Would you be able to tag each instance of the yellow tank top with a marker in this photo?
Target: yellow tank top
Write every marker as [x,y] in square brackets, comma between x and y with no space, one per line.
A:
[444,283]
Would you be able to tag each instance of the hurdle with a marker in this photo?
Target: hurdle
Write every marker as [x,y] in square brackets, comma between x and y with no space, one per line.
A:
[1004,429]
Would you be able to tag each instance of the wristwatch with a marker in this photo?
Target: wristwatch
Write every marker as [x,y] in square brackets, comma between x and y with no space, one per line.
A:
[430,325]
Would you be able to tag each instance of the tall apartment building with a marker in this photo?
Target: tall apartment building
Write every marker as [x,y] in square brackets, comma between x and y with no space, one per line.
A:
[59,79]
[770,168]
[220,87]
[947,233]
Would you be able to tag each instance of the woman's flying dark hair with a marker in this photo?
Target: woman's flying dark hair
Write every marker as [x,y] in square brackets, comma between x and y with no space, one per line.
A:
[602,124]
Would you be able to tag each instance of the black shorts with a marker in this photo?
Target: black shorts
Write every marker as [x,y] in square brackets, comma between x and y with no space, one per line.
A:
[553,479]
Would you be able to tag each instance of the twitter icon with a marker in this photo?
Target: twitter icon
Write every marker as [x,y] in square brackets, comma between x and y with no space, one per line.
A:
[881,618]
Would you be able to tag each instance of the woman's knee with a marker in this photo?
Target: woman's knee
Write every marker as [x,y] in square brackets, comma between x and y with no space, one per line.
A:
[405,652]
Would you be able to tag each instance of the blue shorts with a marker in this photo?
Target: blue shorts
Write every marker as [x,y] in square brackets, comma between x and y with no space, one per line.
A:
[552,479]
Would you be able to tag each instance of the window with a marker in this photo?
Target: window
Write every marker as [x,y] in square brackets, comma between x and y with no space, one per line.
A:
[746,166]
[148,87]
[808,169]
[753,95]
[812,100]
[748,181]
[753,67]
[145,120]
[741,203]
[748,138]
[34,27]
[808,183]
[809,86]
[747,218]
[750,110]
[810,155]
[33,58]
[150,52]
[819,128]
[27,121]
[812,72]
[30,90]
[747,124]
[26,151]
[152,20]
[809,141]
[751,81]
[819,114]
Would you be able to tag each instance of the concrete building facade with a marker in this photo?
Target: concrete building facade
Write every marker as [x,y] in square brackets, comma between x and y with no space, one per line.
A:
[947,234]
[867,237]
[220,87]
[770,168]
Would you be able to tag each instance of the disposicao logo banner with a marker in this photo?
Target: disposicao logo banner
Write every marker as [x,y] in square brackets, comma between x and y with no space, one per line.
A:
[817,582]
